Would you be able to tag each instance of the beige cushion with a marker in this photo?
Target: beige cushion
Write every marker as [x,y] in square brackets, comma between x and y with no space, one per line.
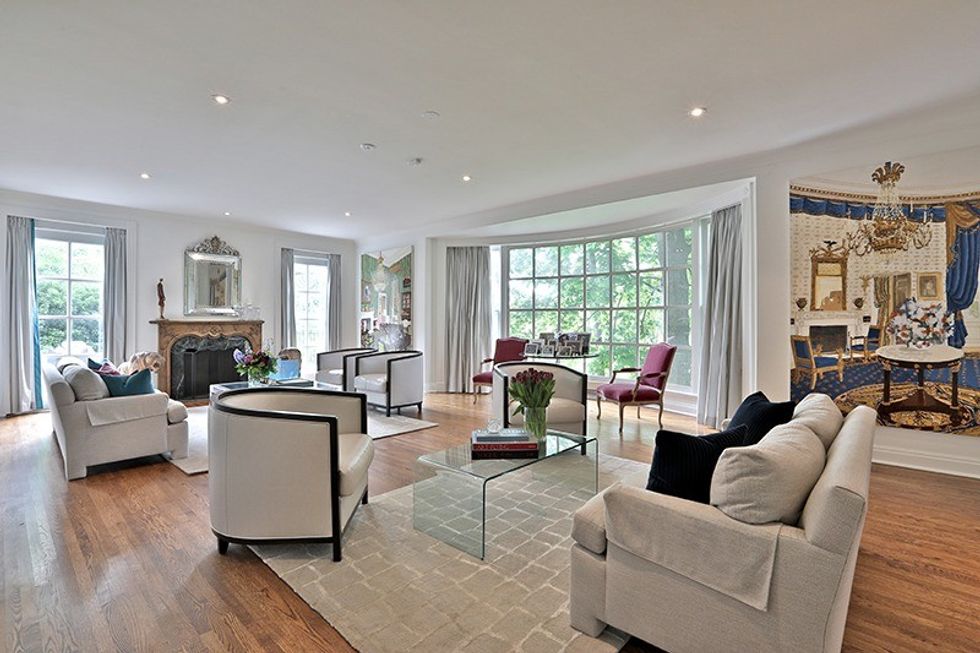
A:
[334,377]
[176,412]
[371,382]
[68,361]
[559,411]
[356,454]
[589,525]
[86,384]
[820,414]
[769,481]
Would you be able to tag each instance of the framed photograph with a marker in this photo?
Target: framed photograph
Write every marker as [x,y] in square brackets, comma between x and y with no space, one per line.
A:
[564,350]
[928,285]
[574,347]
[547,337]
[586,340]
[547,350]
[901,289]
[531,349]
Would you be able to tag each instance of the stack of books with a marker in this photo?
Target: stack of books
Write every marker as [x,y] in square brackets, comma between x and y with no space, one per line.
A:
[508,443]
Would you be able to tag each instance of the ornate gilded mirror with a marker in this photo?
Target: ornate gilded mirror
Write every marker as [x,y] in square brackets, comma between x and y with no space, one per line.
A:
[212,278]
[828,265]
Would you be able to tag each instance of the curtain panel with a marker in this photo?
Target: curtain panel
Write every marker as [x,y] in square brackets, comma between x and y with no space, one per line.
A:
[720,381]
[114,308]
[468,314]
[335,314]
[963,263]
[287,301]
[24,361]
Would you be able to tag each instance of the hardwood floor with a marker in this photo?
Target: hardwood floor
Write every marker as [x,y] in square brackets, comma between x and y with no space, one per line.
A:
[124,560]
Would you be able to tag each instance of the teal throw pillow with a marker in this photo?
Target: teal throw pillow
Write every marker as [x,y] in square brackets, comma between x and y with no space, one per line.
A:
[140,383]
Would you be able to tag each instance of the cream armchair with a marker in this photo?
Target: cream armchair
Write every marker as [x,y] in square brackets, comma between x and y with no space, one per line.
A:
[686,577]
[337,367]
[567,411]
[112,429]
[286,465]
[390,379]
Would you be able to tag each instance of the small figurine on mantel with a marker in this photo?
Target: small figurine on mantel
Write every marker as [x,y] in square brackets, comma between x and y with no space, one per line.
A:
[161,298]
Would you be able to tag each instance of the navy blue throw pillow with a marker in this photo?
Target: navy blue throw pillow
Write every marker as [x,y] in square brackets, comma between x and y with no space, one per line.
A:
[683,464]
[140,383]
[759,416]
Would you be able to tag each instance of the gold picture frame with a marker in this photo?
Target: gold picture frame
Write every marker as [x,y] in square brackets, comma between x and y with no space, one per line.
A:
[927,284]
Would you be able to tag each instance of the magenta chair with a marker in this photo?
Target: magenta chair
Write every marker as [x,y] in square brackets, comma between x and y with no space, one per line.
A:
[649,387]
[506,350]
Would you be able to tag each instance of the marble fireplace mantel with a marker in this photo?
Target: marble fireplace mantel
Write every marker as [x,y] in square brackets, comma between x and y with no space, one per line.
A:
[170,331]
[853,320]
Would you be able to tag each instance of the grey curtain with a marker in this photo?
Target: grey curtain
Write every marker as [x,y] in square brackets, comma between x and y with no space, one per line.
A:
[24,361]
[287,302]
[468,319]
[335,315]
[115,294]
[720,383]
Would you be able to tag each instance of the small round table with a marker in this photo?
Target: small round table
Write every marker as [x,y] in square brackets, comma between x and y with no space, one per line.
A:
[935,357]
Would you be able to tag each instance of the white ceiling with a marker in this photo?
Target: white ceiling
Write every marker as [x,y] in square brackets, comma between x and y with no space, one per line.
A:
[537,98]
[956,171]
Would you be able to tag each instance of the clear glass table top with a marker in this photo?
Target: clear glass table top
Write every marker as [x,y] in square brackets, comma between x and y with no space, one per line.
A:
[460,458]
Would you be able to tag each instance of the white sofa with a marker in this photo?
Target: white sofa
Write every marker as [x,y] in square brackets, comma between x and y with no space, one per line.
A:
[286,465]
[336,367]
[116,428]
[672,572]
[568,410]
[390,379]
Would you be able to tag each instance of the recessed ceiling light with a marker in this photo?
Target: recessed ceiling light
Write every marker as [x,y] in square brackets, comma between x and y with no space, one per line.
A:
[227,212]
[144,175]
[697,112]
[367,147]
[347,214]
[221,99]
[467,178]
[430,115]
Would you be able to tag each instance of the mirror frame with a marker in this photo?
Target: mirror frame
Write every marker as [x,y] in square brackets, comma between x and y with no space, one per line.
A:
[829,253]
[218,251]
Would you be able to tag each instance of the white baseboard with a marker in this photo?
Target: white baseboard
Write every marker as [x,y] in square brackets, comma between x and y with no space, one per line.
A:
[929,462]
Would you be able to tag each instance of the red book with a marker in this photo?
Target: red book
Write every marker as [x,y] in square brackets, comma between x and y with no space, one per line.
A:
[505,446]
[490,455]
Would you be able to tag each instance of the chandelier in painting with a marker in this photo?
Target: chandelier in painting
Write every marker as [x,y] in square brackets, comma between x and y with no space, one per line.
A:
[888,228]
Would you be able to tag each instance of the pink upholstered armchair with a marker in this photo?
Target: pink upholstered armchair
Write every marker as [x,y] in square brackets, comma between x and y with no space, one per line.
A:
[649,387]
[505,350]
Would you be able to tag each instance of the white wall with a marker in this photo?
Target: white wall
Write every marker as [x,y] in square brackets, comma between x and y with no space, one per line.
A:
[948,127]
[156,249]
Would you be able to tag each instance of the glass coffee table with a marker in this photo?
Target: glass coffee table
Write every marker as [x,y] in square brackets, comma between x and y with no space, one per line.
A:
[451,490]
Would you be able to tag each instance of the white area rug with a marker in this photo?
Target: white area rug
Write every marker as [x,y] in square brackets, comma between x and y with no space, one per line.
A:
[196,462]
[400,590]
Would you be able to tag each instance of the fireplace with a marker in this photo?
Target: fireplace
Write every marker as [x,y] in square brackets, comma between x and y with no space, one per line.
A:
[198,353]
[828,338]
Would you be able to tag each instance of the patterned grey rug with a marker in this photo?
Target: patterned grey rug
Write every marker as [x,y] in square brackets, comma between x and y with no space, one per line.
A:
[379,426]
[400,590]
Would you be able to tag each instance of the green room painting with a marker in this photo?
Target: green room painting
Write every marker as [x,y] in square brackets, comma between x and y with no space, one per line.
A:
[386,299]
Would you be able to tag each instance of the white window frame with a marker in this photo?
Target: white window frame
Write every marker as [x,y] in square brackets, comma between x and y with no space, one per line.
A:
[71,237]
[311,259]
[697,224]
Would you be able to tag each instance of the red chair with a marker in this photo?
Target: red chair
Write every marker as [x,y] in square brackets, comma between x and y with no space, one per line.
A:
[649,387]
[505,350]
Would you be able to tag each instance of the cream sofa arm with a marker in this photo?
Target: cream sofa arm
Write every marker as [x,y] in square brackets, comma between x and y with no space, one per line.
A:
[694,540]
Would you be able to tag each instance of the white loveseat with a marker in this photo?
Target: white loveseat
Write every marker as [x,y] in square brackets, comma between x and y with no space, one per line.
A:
[116,428]
[568,409]
[286,465]
[676,573]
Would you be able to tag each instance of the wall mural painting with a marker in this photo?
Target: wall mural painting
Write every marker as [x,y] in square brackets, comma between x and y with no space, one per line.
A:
[884,308]
[386,299]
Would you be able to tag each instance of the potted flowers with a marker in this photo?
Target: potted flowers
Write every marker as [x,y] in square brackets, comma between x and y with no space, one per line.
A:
[532,391]
[920,325]
[255,366]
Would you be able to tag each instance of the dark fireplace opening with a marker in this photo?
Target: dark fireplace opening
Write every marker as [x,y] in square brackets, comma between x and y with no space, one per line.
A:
[828,339]
[198,362]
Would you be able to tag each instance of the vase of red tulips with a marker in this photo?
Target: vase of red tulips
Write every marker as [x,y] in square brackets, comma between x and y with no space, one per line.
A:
[532,390]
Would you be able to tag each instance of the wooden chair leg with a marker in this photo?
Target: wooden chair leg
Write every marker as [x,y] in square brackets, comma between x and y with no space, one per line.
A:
[637,412]
[598,405]
[813,380]
[622,407]
[660,416]
[476,394]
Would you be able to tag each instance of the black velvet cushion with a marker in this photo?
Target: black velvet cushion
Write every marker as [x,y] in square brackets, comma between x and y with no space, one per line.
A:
[683,464]
[759,416]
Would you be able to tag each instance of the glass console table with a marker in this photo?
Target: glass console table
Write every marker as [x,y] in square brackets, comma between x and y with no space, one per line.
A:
[450,493]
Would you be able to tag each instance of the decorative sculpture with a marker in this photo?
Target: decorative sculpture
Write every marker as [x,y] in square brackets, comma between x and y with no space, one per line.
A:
[161,298]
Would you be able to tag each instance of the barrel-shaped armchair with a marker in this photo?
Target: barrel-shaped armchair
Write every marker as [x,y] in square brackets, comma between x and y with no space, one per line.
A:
[567,411]
[390,379]
[286,465]
[337,367]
